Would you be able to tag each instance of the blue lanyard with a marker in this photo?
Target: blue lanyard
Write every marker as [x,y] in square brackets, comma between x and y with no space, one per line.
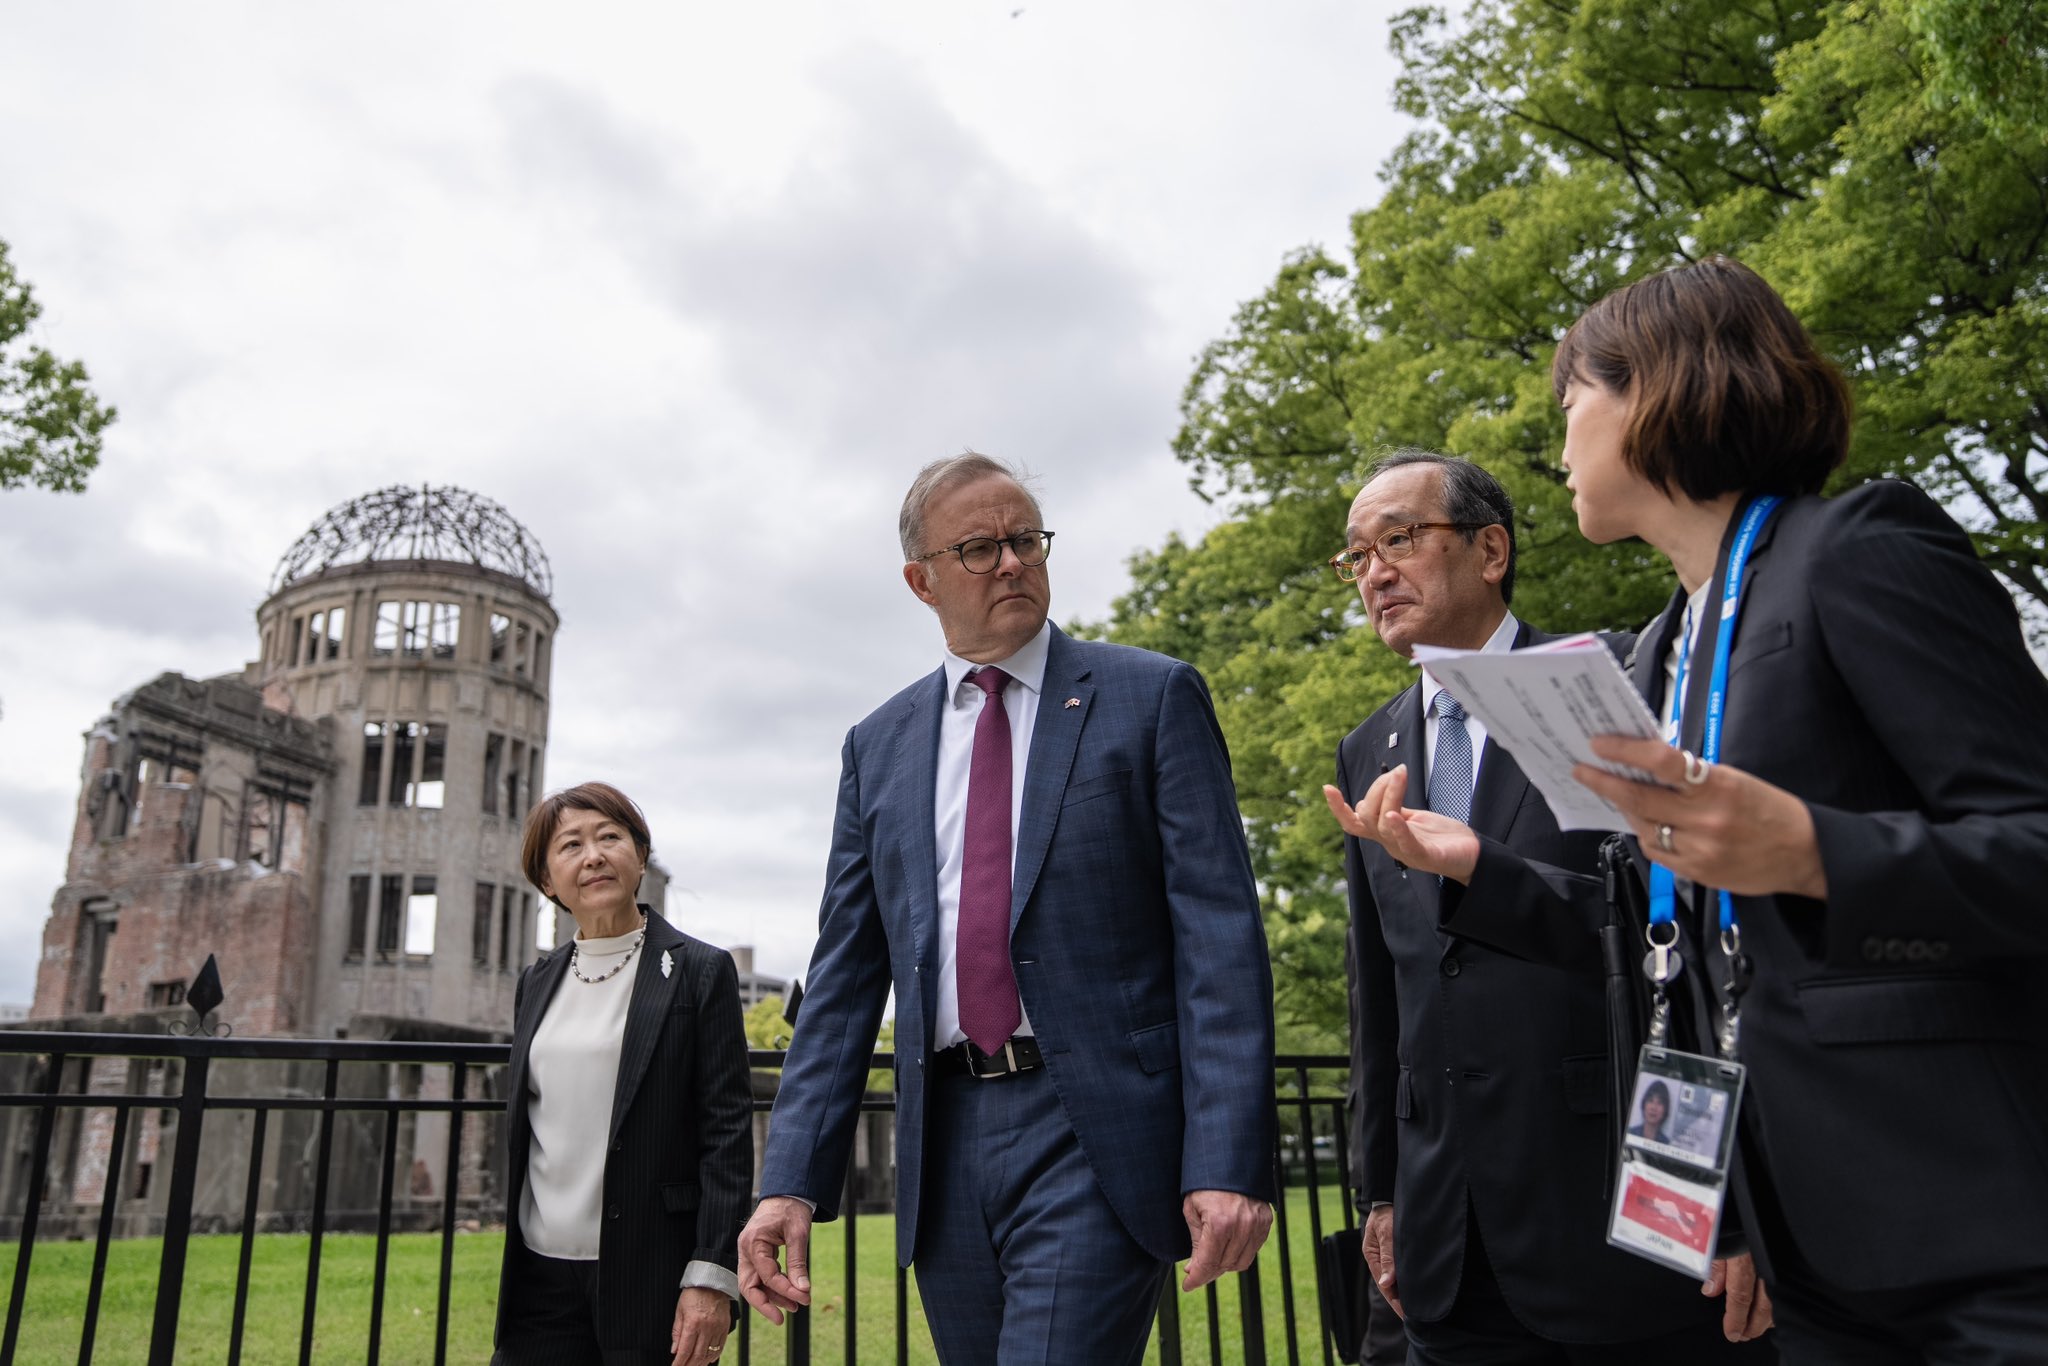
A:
[1663,892]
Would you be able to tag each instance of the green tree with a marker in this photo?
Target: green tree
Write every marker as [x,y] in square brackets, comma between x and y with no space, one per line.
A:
[1564,149]
[50,422]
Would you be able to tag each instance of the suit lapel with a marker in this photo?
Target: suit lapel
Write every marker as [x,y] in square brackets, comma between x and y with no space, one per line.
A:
[1055,737]
[1408,748]
[652,990]
[547,977]
[917,766]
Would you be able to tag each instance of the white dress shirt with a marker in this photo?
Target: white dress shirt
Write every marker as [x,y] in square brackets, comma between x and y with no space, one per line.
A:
[964,701]
[1500,642]
[572,1072]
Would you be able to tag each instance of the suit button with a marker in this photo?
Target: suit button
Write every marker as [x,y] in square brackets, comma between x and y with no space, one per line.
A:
[1894,950]
[1916,951]
[1451,968]
[1873,950]
[611,1212]
[1450,1077]
[618,1147]
[1937,950]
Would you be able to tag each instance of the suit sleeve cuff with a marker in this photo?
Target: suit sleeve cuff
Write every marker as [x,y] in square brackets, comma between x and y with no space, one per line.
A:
[711,1276]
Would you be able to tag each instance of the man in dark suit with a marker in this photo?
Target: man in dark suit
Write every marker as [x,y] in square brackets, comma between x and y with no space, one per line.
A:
[1038,847]
[1478,1032]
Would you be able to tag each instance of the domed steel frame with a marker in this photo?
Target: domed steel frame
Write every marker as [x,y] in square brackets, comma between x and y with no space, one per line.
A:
[424,523]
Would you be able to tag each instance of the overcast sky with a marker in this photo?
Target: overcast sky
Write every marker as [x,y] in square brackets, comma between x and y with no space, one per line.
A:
[692,290]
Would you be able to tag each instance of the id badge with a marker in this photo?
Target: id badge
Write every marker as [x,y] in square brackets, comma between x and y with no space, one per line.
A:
[1676,1143]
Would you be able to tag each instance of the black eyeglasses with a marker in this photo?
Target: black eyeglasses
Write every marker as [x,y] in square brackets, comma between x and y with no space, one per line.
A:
[981,554]
[1393,545]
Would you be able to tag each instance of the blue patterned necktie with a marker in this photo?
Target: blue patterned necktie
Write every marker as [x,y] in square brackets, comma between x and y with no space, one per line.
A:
[1450,771]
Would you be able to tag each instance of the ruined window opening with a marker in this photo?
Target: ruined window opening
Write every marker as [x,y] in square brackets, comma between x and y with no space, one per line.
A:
[501,638]
[100,919]
[480,924]
[543,926]
[262,826]
[429,792]
[422,911]
[162,994]
[358,914]
[512,776]
[373,763]
[494,763]
[446,628]
[533,773]
[520,639]
[403,733]
[390,913]
[385,641]
[316,631]
[298,639]
[505,909]
[337,629]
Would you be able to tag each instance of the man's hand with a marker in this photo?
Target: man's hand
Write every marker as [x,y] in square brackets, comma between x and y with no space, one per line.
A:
[779,1221]
[1422,840]
[1379,1255]
[703,1318]
[1748,1314]
[1228,1230]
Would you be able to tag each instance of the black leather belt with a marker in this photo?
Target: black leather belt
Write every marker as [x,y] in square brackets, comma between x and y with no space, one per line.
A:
[964,1058]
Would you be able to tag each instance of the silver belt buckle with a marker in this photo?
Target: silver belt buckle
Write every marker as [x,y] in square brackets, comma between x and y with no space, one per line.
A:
[1008,1055]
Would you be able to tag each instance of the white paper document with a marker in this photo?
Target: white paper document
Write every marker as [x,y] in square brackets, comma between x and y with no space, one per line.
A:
[1544,705]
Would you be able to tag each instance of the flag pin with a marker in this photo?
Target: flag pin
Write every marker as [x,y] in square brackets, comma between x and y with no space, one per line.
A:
[668,964]
[1393,738]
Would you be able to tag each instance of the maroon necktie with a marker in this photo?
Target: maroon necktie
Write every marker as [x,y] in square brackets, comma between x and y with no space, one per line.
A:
[989,1013]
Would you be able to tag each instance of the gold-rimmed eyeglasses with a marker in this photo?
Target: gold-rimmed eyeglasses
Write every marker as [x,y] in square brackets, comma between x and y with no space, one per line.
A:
[1393,545]
[981,554]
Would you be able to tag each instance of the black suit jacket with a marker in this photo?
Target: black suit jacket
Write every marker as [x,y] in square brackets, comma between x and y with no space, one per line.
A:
[1897,1035]
[678,1146]
[1479,1056]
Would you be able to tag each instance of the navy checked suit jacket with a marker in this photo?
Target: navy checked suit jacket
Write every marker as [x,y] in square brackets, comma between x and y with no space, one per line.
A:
[1135,933]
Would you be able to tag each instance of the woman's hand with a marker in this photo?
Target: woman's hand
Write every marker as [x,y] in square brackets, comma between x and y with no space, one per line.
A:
[1732,831]
[703,1318]
[1422,840]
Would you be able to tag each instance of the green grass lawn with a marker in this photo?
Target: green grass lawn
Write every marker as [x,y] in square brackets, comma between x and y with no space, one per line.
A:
[60,1272]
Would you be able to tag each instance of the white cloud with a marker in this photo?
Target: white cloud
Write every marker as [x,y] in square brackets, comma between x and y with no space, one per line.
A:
[691,293]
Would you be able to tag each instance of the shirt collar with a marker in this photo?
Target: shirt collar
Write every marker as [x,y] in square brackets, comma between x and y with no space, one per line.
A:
[1501,641]
[1027,666]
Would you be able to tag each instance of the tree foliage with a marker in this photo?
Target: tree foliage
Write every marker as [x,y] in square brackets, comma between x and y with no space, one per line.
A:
[1846,150]
[50,422]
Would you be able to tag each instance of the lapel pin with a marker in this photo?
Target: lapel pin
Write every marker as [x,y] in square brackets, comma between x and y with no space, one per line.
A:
[668,964]
[1073,701]
[1393,738]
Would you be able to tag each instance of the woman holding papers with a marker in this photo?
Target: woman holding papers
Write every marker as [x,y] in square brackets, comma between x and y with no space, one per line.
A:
[628,1115]
[1859,757]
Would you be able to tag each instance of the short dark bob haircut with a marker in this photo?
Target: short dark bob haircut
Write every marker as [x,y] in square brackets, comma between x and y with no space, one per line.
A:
[603,798]
[1728,393]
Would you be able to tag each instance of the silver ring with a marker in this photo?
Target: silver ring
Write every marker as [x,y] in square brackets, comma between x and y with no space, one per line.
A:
[1664,839]
[1696,768]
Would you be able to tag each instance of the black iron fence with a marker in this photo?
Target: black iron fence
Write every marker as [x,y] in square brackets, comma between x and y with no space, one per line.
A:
[272,1115]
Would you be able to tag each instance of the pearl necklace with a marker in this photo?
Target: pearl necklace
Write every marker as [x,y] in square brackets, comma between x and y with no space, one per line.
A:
[616,968]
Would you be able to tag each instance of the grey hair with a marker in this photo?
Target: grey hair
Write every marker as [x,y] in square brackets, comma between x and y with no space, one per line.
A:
[1470,495]
[941,475]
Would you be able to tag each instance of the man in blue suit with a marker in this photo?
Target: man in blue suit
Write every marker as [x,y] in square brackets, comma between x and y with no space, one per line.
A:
[1038,846]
